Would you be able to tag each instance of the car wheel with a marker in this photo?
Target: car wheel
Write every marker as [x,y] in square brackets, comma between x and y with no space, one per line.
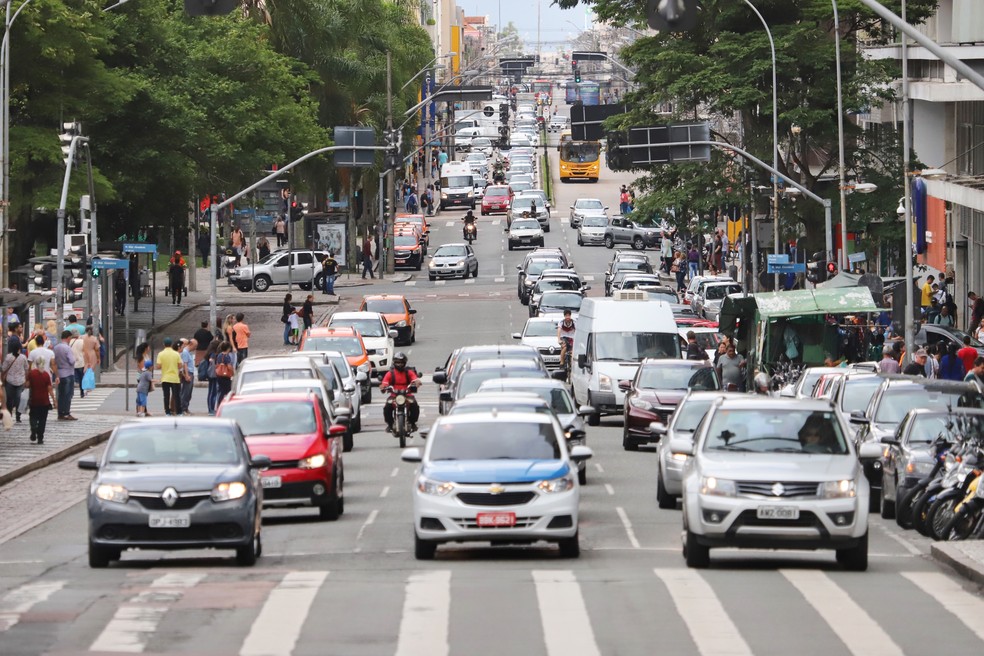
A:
[420,264]
[262,283]
[510,246]
[874,502]
[582,476]
[904,499]
[244,287]
[475,272]
[698,556]
[638,245]
[333,509]
[579,241]
[367,394]
[306,286]
[99,557]
[484,213]
[547,229]
[413,336]
[570,547]
[609,242]
[665,500]
[887,507]
[432,278]
[246,556]
[423,549]
[348,441]
[357,422]
[464,276]
[855,559]
[319,282]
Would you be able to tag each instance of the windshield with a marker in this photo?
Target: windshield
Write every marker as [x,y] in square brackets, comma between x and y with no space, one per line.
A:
[718,292]
[346,345]
[266,375]
[494,441]
[481,143]
[456,181]
[564,301]
[404,240]
[678,377]
[662,297]
[536,267]
[525,203]
[470,381]
[525,225]
[557,283]
[809,381]
[518,187]
[594,222]
[390,306]
[896,402]
[775,431]
[280,418]
[451,251]
[589,204]
[366,327]
[689,414]
[497,191]
[541,329]
[927,427]
[580,151]
[959,335]
[708,340]
[858,392]
[634,346]
[182,444]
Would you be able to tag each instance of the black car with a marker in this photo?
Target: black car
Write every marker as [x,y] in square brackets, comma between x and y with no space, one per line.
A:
[175,484]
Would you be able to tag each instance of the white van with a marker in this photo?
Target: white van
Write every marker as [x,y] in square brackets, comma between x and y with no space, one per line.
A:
[457,185]
[612,337]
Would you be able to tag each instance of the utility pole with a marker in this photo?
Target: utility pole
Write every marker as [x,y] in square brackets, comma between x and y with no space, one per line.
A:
[389,263]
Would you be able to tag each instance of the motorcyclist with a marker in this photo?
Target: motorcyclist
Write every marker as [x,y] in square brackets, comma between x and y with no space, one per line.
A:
[565,335]
[763,383]
[400,379]
[469,218]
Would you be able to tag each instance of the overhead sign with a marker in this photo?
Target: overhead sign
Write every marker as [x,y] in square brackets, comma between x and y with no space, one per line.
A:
[794,267]
[354,136]
[778,258]
[463,93]
[645,143]
[588,55]
[586,120]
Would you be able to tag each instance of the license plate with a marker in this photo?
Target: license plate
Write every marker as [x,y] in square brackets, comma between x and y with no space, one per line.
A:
[495,519]
[270,481]
[524,240]
[182,520]
[777,512]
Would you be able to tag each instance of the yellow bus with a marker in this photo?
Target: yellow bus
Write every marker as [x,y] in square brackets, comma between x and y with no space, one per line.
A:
[579,160]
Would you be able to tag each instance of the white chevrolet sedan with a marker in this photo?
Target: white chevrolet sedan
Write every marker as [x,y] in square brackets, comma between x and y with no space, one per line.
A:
[766,473]
[504,477]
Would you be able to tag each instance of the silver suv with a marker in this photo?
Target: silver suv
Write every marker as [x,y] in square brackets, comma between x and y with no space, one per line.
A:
[274,269]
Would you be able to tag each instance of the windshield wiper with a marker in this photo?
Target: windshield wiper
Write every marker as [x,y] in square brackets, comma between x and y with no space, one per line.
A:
[732,447]
[127,462]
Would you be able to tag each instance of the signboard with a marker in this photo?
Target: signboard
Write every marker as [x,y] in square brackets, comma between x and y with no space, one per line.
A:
[354,136]
[338,204]
[854,258]
[778,258]
[795,267]
[140,248]
[588,55]
[645,143]
[586,120]
[109,263]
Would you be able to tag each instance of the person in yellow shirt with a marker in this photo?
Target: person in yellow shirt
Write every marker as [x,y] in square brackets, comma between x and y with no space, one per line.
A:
[169,363]
[927,294]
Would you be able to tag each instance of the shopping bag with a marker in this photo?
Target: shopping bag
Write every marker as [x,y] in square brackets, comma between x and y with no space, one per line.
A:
[89,380]
[8,421]
[22,406]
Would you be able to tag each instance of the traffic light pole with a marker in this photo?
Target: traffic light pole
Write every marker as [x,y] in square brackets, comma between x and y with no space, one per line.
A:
[60,246]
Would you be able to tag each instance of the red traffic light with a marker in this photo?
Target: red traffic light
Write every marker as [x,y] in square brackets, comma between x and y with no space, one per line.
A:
[573,63]
[831,267]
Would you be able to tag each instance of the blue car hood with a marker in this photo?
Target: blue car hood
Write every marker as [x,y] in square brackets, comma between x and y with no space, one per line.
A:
[495,471]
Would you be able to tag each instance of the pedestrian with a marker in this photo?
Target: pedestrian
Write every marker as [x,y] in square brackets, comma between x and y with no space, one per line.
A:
[65,366]
[725,247]
[329,269]
[14,337]
[285,316]
[623,200]
[204,244]
[78,351]
[175,277]
[967,354]
[307,312]
[918,365]
[367,258]
[693,259]
[412,204]
[262,248]
[202,337]
[135,290]
[14,372]
[976,373]
[979,331]
[40,399]
[666,251]
[119,293]
[41,353]
[74,325]
[280,230]
[730,367]
[716,264]
[926,300]
[213,387]
[229,331]
[242,337]
[888,364]
[238,241]
[187,375]
[91,353]
[169,363]
[679,269]
[294,324]
[442,157]
[32,338]
[944,318]
[694,351]
[145,385]
[224,368]
[951,366]
[976,309]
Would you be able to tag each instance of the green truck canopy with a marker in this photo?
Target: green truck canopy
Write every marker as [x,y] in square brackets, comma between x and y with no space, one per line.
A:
[844,300]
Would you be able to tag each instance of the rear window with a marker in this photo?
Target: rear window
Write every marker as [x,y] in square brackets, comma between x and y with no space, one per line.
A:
[266,375]
[498,191]
[677,378]
[346,345]
[896,402]
[365,327]
[281,418]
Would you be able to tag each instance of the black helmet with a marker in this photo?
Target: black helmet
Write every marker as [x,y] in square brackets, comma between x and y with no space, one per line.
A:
[400,359]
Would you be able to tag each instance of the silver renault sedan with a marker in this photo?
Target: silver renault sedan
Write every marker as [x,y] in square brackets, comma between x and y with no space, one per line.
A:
[767,473]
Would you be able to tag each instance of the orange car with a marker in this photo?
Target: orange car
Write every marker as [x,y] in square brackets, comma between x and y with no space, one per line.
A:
[349,342]
[397,312]
[418,220]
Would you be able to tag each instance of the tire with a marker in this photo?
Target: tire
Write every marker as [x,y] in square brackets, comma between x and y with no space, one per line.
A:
[665,500]
[244,288]
[609,242]
[246,556]
[903,507]
[464,276]
[939,516]
[475,272]
[697,555]
[959,527]
[262,283]
[319,282]
[367,395]
[357,423]
[432,278]
[582,476]
[510,246]
[99,557]
[400,428]
[484,213]
[627,443]
[874,502]
[420,264]
[547,229]
[332,510]
[423,549]
[413,335]
[306,286]
[637,244]
[855,559]
[570,547]
[595,418]
[920,508]
[887,509]
[348,441]
[579,242]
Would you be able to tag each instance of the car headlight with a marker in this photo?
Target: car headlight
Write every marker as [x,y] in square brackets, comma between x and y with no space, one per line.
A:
[364,367]
[444,194]
[437,488]
[604,383]
[636,402]
[679,457]
[400,324]
[918,467]
[459,263]
[471,193]
[717,487]
[562,484]
[316,461]
[228,491]
[116,493]
[838,489]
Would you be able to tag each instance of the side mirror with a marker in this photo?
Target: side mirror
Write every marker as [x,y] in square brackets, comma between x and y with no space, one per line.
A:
[360,377]
[393,334]
[681,446]
[572,207]
[586,410]
[88,462]
[606,207]
[348,389]
[411,454]
[857,417]
[412,311]
[586,288]
[424,432]
[517,335]
[581,452]
[870,451]
[439,378]
[518,268]
[657,428]
[582,360]
[625,385]
[576,434]
[560,374]
[260,462]
[345,413]
[445,395]
[338,428]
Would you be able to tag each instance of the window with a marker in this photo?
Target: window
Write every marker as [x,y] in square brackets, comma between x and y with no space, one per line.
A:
[265,375]
[304,258]
[775,431]
[281,418]
[162,445]
[677,378]
[366,327]
[494,441]
[633,346]
[283,261]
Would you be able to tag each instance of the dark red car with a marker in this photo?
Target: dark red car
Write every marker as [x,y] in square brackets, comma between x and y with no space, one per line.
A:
[655,392]
[305,449]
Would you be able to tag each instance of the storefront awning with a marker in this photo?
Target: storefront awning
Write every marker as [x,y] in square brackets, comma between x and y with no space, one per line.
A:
[770,305]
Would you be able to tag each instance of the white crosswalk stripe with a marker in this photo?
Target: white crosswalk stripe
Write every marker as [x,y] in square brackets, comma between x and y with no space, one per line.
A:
[279,624]
[700,609]
[856,629]
[566,625]
[426,611]
[20,600]
[93,400]
[968,608]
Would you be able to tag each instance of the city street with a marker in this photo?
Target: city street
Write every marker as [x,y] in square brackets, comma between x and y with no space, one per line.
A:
[353,587]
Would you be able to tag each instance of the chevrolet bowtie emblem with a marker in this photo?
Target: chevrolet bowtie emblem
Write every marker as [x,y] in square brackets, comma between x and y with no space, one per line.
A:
[496,489]
[170,497]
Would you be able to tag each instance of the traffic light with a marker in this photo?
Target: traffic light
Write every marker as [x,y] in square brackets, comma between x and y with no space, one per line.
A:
[386,207]
[617,158]
[297,210]
[43,277]
[69,132]
[831,269]
[504,113]
[577,70]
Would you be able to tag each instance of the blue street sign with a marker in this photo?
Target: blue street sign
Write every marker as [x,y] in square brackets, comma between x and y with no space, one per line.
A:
[854,258]
[778,258]
[140,248]
[795,267]
[109,263]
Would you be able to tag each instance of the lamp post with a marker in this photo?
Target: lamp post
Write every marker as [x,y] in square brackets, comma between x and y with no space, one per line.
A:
[842,260]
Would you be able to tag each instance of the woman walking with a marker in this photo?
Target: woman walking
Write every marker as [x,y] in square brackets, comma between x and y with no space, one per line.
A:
[225,365]
[40,400]
[15,369]
[285,317]
[213,387]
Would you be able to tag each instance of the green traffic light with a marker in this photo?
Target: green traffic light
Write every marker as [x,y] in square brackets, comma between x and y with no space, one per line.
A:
[95,272]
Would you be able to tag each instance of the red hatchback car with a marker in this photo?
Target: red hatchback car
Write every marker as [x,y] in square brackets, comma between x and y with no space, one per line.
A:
[496,199]
[304,447]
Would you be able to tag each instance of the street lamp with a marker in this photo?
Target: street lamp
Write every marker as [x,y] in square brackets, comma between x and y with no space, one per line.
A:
[425,68]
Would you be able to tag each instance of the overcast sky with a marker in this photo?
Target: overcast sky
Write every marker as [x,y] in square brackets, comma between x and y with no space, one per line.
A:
[555,23]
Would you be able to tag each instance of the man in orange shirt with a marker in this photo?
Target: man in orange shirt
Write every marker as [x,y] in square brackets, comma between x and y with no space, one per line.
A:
[967,354]
[242,338]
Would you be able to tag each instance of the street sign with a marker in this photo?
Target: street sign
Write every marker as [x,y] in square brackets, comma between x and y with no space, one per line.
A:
[588,55]
[854,258]
[354,136]
[109,263]
[586,120]
[778,258]
[645,144]
[794,267]
[140,248]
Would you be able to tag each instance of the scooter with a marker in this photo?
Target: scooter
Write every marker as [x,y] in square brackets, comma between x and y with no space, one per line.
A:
[471,232]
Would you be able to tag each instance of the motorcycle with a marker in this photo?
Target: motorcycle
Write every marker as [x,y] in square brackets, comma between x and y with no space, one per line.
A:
[470,231]
[400,400]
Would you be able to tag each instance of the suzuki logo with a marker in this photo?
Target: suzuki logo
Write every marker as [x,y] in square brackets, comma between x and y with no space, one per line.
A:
[778,489]
[496,489]
[170,497]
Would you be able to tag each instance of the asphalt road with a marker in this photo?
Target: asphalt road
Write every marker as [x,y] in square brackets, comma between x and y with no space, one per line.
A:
[353,587]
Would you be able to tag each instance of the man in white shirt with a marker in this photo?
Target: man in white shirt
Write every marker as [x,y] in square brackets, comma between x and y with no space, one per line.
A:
[45,355]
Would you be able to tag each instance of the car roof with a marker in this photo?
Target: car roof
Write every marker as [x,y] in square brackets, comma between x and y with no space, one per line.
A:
[488,417]
[756,401]
[267,362]
[938,411]
[355,315]
[674,362]
[384,297]
[453,243]
[178,422]
[552,383]
[935,384]
[484,397]
[504,363]
[334,331]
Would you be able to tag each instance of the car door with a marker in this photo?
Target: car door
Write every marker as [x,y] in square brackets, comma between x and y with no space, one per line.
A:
[471,260]
[303,267]
[279,269]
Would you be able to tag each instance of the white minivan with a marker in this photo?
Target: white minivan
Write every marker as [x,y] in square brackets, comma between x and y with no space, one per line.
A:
[612,336]
[457,185]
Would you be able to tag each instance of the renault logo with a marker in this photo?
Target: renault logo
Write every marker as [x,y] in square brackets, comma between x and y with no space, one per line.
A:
[170,497]
[778,489]
[496,489]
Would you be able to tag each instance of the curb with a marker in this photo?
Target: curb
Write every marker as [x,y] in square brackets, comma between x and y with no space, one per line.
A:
[963,564]
[54,457]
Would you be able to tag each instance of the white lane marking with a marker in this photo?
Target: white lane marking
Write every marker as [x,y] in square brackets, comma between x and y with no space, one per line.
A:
[565,219]
[700,608]
[279,624]
[439,282]
[20,562]
[396,470]
[20,600]
[609,489]
[563,615]
[588,278]
[449,224]
[382,495]
[856,629]
[968,608]
[628,527]
[369,520]
[470,281]
[500,279]
[601,470]
[908,546]
[136,620]
[426,611]
[411,283]
[502,270]
[496,221]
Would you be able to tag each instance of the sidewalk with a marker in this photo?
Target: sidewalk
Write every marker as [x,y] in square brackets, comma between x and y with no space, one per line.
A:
[966,557]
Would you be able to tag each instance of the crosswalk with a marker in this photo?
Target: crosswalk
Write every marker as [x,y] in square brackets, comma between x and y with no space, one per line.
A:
[461,610]
[92,401]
